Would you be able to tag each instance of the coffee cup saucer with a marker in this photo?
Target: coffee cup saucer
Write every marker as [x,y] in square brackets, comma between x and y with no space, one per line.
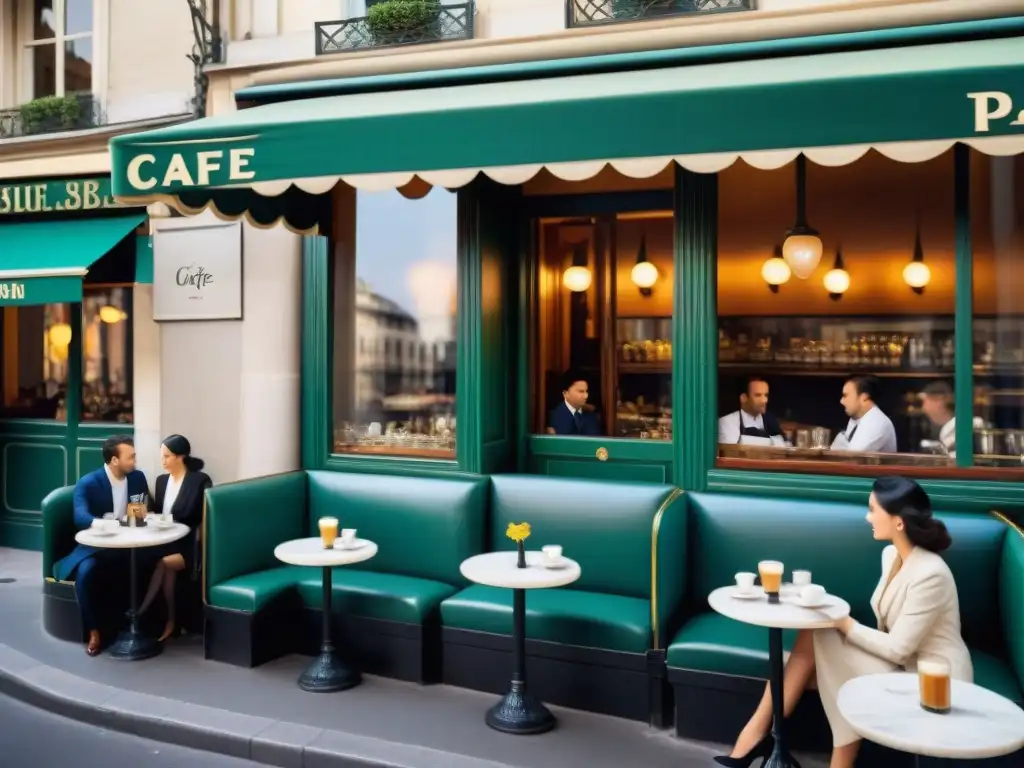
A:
[347,545]
[747,594]
[554,564]
[102,532]
[819,602]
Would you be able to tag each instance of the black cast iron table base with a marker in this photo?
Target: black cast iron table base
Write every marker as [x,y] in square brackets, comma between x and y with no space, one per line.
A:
[132,644]
[328,673]
[520,712]
[780,756]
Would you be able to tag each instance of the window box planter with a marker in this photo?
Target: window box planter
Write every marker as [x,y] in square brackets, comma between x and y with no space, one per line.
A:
[390,23]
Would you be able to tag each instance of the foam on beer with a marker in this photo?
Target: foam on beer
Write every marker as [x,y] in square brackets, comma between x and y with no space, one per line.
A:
[932,668]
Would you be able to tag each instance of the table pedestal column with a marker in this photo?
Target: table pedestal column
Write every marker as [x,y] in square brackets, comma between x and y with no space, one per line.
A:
[780,757]
[131,644]
[328,673]
[519,712]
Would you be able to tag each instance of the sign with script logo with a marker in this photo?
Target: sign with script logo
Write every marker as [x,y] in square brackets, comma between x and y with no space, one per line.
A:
[995,108]
[56,196]
[197,272]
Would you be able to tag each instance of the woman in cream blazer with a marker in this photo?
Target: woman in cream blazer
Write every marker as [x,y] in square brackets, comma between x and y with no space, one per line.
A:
[918,615]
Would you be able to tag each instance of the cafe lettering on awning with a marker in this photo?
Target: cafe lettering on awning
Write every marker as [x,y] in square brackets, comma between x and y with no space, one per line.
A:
[57,196]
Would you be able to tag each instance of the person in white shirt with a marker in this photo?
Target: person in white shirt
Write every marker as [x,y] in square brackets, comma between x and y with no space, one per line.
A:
[937,403]
[869,430]
[751,424]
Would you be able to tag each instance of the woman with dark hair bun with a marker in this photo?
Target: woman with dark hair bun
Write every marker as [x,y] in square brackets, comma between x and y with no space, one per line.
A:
[180,492]
[918,616]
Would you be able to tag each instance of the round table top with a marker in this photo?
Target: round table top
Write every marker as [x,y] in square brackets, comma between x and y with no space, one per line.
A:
[787,614]
[311,551]
[132,538]
[500,569]
[886,709]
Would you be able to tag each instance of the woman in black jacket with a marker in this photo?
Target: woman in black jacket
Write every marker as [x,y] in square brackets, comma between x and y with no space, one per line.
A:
[181,492]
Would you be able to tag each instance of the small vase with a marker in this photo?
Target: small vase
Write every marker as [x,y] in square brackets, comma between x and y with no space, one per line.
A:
[522,554]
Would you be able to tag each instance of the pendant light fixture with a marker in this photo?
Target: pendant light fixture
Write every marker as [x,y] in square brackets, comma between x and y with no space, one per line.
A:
[802,248]
[644,274]
[775,271]
[917,274]
[837,279]
[577,278]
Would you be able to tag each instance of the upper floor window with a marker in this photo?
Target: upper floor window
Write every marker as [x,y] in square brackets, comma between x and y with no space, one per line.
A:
[57,40]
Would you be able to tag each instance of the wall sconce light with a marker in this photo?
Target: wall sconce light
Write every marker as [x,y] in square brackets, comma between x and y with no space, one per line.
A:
[577,278]
[837,279]
[112,315]
[917,274]
[775,271]
[802,248]
[60,334]
[644,274]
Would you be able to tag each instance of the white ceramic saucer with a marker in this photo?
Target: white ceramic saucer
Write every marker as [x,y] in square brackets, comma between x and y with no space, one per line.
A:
[753,594]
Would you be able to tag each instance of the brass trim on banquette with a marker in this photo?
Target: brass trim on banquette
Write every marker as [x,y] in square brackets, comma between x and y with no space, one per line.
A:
[1000,516]
[655,529]
[203,526]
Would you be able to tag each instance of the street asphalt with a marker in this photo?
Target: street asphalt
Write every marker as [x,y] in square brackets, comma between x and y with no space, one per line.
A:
[32,738]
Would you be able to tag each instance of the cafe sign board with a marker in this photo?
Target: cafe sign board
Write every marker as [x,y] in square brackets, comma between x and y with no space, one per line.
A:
[57,196]
[197,272]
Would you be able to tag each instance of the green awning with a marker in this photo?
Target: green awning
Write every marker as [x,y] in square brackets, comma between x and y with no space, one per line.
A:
[927,95]
[45,262]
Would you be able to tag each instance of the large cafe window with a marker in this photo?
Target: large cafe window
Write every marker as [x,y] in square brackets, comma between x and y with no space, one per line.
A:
[836,361]
[36,341]
[602,341]
[997,241]
[395,301]
[106,355]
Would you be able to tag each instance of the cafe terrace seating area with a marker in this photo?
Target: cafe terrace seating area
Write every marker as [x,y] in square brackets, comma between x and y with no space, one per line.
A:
[633,637]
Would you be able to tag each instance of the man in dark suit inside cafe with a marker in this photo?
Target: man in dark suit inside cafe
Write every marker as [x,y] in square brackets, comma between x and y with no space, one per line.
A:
[571,416]
[105,491]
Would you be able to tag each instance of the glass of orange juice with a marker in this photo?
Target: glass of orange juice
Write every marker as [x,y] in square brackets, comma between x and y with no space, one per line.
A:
[771,578]
[328,531]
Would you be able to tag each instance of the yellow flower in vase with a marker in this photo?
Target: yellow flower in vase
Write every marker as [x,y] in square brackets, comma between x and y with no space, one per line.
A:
[519,532]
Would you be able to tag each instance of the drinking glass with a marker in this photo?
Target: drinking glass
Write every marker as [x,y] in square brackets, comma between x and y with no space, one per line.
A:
[933,680]
[328,531]
[771,578]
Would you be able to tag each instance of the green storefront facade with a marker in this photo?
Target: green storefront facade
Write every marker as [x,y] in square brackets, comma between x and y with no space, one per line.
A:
[277,160]
[65,244]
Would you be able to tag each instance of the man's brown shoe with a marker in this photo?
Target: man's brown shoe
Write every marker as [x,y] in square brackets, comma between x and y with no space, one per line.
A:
[93,647]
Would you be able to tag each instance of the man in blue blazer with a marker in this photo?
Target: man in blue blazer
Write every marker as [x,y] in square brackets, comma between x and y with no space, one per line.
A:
[104,491]
[569,416]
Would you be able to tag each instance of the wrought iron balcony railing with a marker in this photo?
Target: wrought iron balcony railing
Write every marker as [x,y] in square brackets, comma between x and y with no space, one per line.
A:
[584,13]
[52,114]
[453,22]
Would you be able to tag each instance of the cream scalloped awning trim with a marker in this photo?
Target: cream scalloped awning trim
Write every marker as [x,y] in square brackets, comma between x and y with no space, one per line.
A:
[638,168]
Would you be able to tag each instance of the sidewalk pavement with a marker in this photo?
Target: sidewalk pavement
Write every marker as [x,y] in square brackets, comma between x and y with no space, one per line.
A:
[260,714]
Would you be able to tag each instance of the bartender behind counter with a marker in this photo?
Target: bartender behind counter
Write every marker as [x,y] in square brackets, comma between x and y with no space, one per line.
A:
[869,430]
[751,424]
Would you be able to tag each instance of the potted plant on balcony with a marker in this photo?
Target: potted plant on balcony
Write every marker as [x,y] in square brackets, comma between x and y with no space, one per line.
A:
[643,9]
[402,21]
[52,113]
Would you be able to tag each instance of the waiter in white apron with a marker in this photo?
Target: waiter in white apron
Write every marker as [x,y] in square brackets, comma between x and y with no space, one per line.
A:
[751,424]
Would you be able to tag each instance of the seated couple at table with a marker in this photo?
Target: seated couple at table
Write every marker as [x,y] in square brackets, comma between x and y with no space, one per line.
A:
[179,491]
[918,615]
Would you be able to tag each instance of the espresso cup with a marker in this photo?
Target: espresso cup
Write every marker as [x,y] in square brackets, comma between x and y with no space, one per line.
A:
[771,578]
[165,520]
[98,524]
[348,537]
[111,526]
[935,686]
[801,578]
[812,594]
[328,531]
[552,552]
[745,581]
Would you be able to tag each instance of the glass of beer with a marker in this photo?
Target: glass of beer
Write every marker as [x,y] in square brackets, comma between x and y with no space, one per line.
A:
[771,578]
[328,531]
[933,679]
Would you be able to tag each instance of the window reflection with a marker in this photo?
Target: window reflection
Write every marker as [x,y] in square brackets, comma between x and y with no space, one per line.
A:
[107,355]
[997,200]
[35,351]
[395,312]
[832,367]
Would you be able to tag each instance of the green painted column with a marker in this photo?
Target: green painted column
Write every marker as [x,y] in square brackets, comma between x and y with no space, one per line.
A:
[695,328]
[316,353]
[963,350]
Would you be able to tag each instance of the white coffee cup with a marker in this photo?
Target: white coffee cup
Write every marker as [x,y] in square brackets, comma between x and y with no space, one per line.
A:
[552,553]
[348,537]
[165,520]
[97,523]
[801,578]
[812,594]
[111,526]
[745,581]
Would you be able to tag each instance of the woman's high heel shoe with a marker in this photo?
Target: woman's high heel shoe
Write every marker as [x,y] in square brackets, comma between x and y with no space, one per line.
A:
[762,749]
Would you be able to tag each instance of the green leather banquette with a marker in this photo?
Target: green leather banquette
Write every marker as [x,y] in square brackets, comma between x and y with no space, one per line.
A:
[589,645]
[385,609]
